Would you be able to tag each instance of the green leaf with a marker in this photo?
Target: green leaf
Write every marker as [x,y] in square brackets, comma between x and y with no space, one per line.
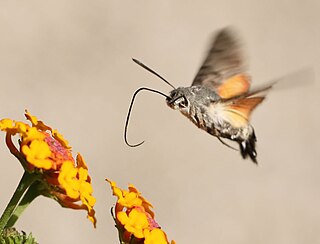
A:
[12,236]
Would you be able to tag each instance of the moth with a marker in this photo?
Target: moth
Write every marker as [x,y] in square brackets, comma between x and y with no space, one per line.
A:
[219,100]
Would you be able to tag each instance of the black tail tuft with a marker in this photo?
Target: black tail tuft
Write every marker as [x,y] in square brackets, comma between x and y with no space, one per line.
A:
[248,147]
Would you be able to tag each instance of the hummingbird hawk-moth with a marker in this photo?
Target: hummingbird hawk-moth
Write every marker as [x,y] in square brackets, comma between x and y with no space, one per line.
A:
[219,100]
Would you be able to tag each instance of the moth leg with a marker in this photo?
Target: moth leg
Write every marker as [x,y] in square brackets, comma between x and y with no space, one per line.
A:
[226,144]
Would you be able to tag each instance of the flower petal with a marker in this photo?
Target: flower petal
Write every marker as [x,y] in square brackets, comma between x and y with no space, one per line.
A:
[37,154]
[155,236]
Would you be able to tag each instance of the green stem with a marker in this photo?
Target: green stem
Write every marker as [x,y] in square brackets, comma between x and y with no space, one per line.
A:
[30,195]
[26,180]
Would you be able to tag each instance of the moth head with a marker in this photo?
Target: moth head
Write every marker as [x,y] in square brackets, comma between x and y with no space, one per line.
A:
[178,99]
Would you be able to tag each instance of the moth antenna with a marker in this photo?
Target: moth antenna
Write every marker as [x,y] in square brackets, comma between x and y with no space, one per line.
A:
[152,71]
[226,144]
[129,113]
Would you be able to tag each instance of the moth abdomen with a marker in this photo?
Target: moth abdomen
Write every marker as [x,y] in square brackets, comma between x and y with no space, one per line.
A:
[248,147]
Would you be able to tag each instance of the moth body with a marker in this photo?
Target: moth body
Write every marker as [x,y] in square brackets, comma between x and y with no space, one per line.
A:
[206,109]
[219,100]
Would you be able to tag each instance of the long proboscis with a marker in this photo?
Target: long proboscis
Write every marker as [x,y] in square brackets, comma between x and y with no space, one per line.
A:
[130,109]
[152,71]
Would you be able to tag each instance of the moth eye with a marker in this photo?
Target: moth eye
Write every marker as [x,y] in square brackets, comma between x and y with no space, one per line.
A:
[183,102]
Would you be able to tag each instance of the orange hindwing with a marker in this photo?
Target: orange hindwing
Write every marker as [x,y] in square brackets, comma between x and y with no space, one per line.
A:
[237,113]
[234,86]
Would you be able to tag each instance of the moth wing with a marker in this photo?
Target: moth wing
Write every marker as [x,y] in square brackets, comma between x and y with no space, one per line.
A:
[237,110]
[224,60]
[234,86]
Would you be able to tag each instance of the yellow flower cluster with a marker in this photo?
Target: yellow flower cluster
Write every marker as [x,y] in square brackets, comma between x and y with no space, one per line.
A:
[44,151]
[135,219]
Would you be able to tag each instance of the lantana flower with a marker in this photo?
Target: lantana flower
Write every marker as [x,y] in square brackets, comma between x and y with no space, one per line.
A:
[134,218]
[47,157]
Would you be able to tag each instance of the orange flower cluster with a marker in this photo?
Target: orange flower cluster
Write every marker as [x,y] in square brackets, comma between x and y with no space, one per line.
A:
[44,152]
[134,218]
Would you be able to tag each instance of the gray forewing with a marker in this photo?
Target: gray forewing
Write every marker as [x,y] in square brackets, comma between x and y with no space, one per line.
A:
[224,59]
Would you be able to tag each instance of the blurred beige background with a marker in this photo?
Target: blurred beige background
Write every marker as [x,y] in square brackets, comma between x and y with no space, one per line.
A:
[69,63]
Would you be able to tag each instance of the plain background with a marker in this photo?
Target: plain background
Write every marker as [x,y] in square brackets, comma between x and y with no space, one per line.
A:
[69,63]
